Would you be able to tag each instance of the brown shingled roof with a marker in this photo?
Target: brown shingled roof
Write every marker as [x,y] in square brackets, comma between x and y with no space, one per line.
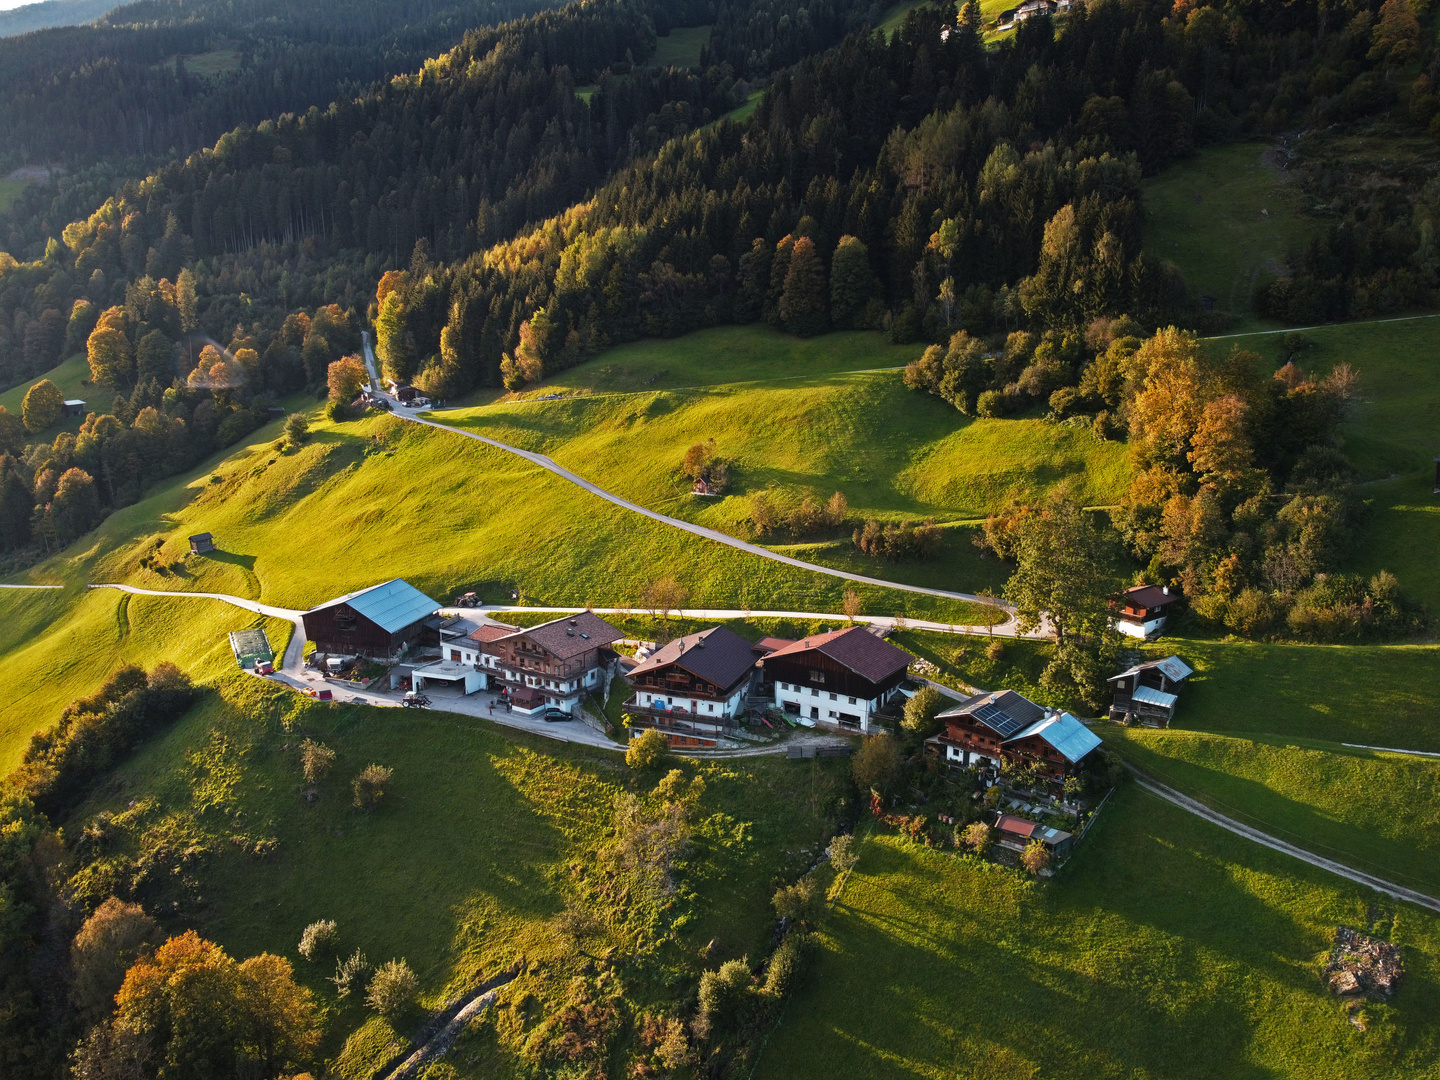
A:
[491,632]
[717,655]
[571,635]
[770,644]
[862,652]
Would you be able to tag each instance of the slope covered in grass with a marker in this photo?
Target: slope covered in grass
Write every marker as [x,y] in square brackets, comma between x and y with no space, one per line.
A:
[1169,948]
[891,451]
[1376,812]
[469,861]
[1229,217]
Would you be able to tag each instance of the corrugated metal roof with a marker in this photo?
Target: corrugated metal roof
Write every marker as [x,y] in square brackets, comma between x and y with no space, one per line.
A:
[1175,669]
[1150,696]
[391,606]
[1066,734]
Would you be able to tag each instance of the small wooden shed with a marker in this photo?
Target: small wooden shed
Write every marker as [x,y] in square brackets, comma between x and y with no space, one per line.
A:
[74,407]
[200,543]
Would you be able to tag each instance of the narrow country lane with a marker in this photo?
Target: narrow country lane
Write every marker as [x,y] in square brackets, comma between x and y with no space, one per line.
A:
[718,537]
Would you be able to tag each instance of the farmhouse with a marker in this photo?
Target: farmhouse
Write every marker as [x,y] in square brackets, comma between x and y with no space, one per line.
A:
[550,665]
[701,679]
[988,729]
[380,622]
[1143,610]
[1145,694]
[841,678]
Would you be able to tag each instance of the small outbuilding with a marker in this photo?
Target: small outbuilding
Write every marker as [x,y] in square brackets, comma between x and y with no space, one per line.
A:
[1145,693]
[201,543]
[380,622]
[74,407]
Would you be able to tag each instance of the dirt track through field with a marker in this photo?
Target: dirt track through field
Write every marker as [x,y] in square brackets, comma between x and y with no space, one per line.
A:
[549,465]
[1199,809]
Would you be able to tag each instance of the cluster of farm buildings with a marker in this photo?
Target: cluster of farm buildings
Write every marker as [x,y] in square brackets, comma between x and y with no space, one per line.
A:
[698,687]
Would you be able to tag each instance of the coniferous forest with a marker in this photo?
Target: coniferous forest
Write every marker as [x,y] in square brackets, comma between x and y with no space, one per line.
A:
[502,189]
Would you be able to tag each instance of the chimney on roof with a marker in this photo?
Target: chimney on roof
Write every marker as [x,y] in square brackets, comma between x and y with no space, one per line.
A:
[1165,589]
[569,631]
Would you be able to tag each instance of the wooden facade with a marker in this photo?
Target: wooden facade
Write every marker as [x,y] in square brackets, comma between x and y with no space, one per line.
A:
[820,672]
[339,628]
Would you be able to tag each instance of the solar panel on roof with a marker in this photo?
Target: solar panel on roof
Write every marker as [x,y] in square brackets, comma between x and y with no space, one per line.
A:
[994,716]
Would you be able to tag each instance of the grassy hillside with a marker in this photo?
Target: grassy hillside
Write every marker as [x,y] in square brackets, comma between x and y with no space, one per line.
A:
[360,503]
[1228,217]
[681,48]
[1377,812]
[1170,948]
[71,378]
[468,862]
[893,452]
[1389,435]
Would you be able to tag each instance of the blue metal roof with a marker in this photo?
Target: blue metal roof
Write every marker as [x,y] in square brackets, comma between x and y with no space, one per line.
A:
[391,606]
[1066,734]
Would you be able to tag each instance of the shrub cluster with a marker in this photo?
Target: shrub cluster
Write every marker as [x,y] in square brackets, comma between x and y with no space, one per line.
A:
[896,541]
[94,733]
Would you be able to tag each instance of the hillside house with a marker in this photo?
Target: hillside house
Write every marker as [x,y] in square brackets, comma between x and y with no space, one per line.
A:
[695,684]
[380,622]
[201,543]
[1145,694]
[551,665]
[839,679]
[988,729]
[1143,610]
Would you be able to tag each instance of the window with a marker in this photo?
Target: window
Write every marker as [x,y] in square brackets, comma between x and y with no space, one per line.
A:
[817,677]
[832,697]
[852,701]
[454,654]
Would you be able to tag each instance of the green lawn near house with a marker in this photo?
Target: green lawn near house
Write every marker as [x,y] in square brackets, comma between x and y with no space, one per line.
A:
[681,47]
[1376,695]
[1376,812]
[1166,948]
[1229,217]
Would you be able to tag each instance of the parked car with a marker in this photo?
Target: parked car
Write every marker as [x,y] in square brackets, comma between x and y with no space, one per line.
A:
[554,715]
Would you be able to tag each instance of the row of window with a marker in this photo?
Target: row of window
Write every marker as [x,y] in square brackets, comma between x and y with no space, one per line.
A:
[818,693]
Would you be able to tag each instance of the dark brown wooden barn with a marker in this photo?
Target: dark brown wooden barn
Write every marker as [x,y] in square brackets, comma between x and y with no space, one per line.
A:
[380,622]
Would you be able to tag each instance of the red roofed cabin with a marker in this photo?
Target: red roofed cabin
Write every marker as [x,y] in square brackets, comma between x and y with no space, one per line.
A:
[552,664]
[693,687]
[841,678]
[1143,609]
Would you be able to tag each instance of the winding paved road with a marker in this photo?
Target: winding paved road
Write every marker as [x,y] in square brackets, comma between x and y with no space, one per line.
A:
[550,465]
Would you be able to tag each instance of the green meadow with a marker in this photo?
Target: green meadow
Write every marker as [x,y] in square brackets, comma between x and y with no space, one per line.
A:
[1229,217]
[72,379]
[681,47]
[1166,948]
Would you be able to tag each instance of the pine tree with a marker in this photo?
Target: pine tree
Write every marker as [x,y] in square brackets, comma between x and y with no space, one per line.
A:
[802,305]
[852,283]
[779,268]
[392,338]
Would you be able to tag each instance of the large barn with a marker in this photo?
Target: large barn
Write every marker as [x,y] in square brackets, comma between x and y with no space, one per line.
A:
[380,622]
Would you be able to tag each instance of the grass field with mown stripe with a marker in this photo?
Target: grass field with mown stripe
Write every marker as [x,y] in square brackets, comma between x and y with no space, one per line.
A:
[1167,948]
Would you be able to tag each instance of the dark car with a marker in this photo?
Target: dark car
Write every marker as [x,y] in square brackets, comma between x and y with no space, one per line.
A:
[554,716]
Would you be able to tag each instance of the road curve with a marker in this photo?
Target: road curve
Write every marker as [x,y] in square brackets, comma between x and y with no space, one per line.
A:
[718,537]
[1199,809]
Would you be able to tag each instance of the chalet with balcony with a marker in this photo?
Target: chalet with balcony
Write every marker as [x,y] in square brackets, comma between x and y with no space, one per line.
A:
[694,686]
[1142,611]
[1146,694]
[551,665]
[987,730]
[380,622]
[840,679]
